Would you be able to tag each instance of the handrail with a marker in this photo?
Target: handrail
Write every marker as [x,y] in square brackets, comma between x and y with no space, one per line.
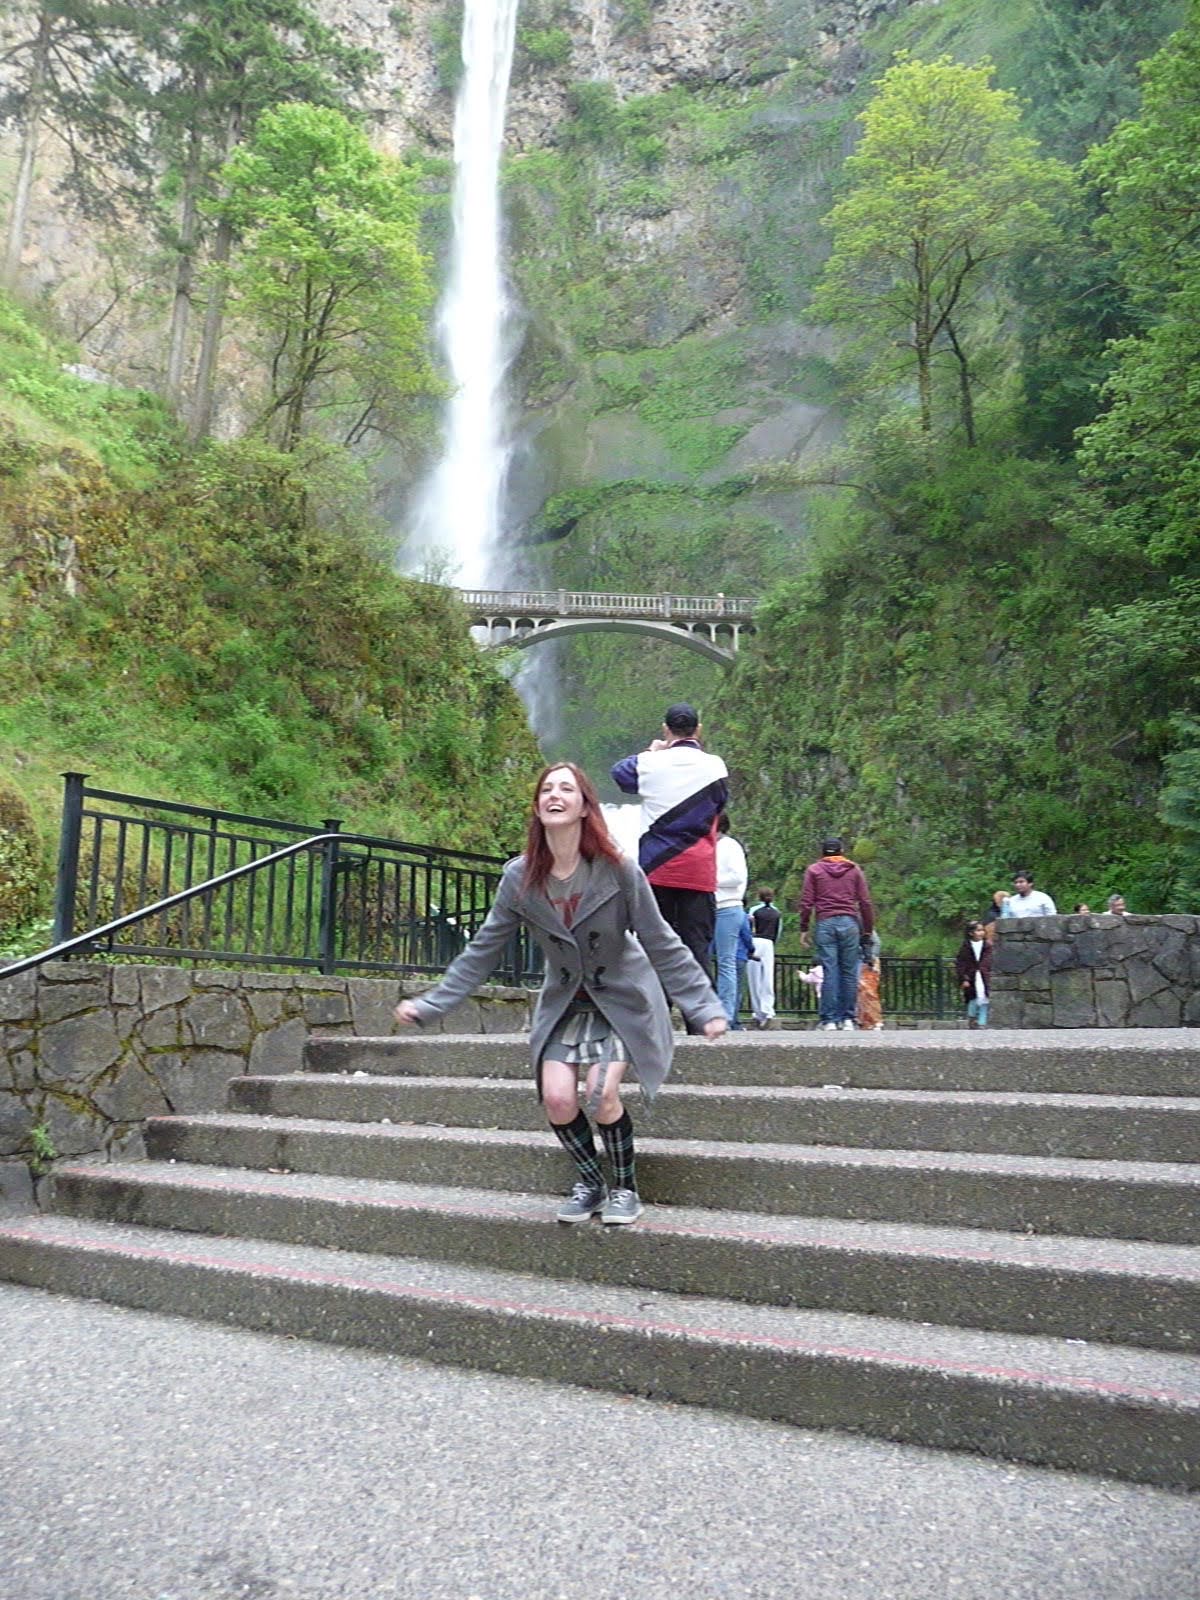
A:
[82,941]
[563,602]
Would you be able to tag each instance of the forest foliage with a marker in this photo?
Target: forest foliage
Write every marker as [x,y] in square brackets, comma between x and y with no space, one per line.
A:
[225,627]
[977,647]
[994,654]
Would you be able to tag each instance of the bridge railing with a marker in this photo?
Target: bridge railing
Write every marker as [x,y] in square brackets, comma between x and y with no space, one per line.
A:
[580,602]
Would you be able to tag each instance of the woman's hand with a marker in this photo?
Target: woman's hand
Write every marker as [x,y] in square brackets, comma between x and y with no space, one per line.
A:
[406,1012]
[715,1027]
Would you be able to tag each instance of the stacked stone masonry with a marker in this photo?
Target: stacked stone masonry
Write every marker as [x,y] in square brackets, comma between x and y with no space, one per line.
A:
[89,1051]
[1097,972]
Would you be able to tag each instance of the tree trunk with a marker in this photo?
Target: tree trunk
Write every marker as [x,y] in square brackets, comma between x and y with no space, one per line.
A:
[966,400]
[200,419]
[923,338]
[14,246]
[185,267]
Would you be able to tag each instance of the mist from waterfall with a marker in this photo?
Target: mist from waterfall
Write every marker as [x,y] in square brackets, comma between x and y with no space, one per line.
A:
[457,520]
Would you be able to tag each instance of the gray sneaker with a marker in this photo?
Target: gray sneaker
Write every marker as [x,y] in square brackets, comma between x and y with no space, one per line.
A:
[622,1205]
[583,1202]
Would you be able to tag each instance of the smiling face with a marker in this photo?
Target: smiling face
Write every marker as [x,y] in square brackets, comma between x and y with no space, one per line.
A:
[560,800]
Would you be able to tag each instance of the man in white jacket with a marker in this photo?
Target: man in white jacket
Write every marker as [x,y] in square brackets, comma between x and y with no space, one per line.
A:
[732,878]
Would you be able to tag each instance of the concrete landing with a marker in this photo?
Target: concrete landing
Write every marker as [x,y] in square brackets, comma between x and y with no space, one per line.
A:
[155,1458]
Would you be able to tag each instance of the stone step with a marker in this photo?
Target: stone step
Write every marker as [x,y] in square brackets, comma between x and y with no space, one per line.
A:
[1108,1291]
[1127,1413]
[1075,1061]
[1086,1127]
[1092,1199]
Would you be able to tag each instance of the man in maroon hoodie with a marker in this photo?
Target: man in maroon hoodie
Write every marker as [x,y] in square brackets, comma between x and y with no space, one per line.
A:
[836,899]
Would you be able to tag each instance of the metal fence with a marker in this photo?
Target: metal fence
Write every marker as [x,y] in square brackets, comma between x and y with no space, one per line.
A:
[353,903]
[245,890]
[909,986]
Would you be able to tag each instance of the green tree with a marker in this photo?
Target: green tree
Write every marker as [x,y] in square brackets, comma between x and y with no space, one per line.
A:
[330,269]
[69,72]
[1179,808]
[1143,453]
[224,63]
[944,189]
[1140,459]
[1078,68]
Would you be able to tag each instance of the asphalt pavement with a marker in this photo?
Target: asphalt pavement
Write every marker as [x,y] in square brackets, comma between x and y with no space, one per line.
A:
[145,1457]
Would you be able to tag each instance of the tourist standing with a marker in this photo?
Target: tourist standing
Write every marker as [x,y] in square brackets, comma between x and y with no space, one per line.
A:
[682,789]
[599,1013]
[1025,900]
[973,969]
[747,960]
[870,977]
[994,912]
[765,922]
[732,878]
[835,898]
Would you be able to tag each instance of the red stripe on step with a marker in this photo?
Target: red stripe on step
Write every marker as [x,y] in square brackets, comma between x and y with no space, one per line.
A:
[615,1320]
[205,1183]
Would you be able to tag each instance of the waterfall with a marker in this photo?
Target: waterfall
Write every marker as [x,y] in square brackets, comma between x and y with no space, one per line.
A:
[458,512]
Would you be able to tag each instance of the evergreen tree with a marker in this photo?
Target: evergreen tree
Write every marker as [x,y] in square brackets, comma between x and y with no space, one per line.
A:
[1079,73]
[1140,458]
[71,72]
[1078,70]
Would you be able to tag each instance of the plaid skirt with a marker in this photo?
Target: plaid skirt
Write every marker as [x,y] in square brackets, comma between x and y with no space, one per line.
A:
[583,1037]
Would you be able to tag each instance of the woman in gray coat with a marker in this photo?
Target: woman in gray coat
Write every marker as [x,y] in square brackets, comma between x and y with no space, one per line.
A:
[601,1012]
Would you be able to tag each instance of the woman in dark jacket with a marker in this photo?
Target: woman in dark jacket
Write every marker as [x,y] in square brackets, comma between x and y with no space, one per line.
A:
[973,969]
[601,1011]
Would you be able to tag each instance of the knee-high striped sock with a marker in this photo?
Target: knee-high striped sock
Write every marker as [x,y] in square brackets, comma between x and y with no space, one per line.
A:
[577,1140]
[618,1141]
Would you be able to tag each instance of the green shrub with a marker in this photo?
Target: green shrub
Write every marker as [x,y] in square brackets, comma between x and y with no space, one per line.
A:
[545,47]
[20,861]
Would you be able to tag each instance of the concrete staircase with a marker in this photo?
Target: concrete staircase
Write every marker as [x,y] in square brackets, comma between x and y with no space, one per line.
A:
[985,1242]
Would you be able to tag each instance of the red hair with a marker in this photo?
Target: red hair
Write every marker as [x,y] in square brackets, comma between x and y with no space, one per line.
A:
[594,837]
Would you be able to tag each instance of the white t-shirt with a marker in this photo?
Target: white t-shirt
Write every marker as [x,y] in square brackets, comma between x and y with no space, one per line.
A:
[1033,904]
[732,872]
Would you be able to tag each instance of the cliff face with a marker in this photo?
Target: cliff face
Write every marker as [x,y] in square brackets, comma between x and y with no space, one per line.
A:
[638,47]
[668,164]
[111,293]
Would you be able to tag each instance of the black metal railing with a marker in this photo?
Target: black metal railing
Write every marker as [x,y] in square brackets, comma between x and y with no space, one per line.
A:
[152,878]
[213,887]
[909,986]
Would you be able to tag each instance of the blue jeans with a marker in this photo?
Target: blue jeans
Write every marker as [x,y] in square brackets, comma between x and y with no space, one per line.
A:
[725,941]
[977,1011]
[837,940]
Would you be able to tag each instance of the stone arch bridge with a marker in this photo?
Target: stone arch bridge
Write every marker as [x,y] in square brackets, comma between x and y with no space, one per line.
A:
[712,625]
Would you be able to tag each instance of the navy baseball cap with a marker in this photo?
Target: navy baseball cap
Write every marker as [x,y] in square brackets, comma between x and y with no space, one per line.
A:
[681,718]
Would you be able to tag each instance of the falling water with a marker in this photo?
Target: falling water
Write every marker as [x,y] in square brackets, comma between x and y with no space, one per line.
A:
[458,515]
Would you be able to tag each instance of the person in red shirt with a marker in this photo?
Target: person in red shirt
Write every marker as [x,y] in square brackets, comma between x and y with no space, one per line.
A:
[835,899]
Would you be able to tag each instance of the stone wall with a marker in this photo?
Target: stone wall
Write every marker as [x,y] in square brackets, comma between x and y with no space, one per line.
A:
[89,1051]
[1096,972]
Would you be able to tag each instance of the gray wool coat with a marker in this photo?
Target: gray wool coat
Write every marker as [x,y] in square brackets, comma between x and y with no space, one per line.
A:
[600,952]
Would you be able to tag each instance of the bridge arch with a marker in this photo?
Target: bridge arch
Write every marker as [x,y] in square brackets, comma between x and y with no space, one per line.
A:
[525,632]
[712,626]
